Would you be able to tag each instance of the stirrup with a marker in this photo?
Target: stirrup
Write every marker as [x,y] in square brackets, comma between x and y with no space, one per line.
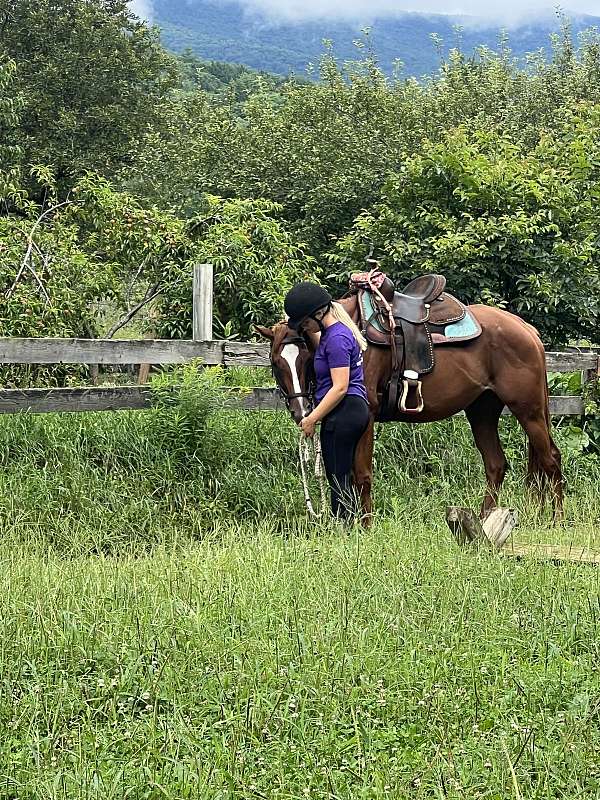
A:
[410,381]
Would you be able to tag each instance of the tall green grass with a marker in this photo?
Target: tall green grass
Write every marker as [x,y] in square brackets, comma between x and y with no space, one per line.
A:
[129,480]
[174,626]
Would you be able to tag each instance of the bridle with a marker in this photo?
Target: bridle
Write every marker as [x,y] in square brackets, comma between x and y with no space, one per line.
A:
[308,449]
[309,375]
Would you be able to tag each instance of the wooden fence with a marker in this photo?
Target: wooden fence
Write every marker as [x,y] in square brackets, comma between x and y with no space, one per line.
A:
[211,352]
[225,353]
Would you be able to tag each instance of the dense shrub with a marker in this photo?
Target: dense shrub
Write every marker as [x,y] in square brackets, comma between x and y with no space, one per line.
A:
[325,152]
[513,228]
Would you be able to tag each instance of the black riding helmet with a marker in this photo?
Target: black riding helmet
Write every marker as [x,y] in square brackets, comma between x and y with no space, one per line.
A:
[304,300]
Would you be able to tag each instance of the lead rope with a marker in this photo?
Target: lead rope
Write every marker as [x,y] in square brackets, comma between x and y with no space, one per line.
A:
[306,453]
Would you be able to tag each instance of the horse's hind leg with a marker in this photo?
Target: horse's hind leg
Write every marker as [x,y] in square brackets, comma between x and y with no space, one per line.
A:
[484,415]
[544,455]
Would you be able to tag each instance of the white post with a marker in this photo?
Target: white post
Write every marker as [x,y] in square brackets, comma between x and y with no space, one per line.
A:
[203,303]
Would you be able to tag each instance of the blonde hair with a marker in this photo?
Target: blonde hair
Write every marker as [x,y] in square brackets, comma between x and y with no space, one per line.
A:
[341,315]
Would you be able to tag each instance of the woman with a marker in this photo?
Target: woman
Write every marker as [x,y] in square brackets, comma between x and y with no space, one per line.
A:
[341,396]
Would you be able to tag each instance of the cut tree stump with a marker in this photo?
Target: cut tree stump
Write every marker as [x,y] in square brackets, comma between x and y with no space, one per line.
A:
[466,527]
[494,531]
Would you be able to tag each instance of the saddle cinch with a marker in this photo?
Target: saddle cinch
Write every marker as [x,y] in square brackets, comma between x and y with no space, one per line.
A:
[412,322]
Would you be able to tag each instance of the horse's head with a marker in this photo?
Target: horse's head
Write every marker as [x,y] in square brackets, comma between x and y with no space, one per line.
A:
[293,367]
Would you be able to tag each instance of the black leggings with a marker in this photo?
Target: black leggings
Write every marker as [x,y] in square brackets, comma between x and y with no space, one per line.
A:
[341,430]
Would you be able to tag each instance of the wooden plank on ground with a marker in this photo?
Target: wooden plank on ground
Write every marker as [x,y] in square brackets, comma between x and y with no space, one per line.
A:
[551,552]
[466,529]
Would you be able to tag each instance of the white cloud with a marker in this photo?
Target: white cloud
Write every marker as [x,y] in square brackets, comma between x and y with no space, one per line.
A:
[142,8]
[365,10]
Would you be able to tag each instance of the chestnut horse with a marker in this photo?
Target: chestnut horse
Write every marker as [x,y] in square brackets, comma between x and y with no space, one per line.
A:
[504,366]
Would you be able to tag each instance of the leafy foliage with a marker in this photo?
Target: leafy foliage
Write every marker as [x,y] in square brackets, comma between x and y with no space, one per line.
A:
[227,81]
[59,265]
[10,152]
[48,284]
[255,258]
[325,153]
[511,228]
[181,155]
[484,171]
[256,262]
[90,75]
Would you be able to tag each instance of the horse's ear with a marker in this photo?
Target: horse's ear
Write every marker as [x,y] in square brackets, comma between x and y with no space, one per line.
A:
[266,333]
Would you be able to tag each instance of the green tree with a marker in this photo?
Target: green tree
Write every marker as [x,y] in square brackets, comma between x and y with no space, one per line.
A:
[325,152]
[256,261]
[10,152]
[507,227]
[184,153]
[151,253]
[90,74]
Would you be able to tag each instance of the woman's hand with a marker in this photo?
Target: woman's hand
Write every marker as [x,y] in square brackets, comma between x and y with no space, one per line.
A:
[308,427]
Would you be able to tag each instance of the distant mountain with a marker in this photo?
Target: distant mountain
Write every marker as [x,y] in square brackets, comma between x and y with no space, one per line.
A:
[223,31]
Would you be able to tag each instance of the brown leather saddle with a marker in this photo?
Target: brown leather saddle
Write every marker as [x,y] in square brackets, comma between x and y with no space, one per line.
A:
[411,323]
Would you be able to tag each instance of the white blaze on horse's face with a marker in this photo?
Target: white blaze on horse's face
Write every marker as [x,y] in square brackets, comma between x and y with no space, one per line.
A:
[290,353]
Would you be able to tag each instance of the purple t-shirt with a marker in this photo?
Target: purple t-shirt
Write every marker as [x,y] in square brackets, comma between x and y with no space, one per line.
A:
[339,348]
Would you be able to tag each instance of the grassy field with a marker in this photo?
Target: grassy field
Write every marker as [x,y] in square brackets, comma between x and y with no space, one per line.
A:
[175,627]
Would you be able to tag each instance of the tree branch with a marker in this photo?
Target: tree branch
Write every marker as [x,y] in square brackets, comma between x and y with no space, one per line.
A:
[31,243]
[38,280]
[153,291]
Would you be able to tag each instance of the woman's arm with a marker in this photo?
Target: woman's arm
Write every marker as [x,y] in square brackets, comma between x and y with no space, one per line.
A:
[340,377]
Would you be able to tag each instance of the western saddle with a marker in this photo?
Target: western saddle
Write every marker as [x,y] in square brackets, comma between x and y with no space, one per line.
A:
[411,322]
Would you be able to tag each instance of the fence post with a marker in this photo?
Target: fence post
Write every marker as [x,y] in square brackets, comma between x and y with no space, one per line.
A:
[590,375]
[203,303]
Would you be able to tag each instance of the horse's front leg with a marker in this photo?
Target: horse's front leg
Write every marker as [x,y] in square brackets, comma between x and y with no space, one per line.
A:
[363,472]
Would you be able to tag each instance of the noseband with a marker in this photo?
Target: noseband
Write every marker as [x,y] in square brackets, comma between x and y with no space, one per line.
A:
[308,375]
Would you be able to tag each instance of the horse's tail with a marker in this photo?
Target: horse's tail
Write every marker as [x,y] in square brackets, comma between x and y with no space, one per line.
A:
[536,475]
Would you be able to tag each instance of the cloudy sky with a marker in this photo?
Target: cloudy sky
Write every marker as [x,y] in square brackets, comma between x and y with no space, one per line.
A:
[143,8]
[493,9]
[497,10]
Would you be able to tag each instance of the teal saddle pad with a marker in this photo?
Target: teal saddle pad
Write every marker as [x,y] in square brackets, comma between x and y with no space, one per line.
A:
[465,329]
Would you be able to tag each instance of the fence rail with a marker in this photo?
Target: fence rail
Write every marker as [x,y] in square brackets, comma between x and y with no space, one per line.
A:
[121,398]
[125,352]
[132,351]
[225,353]
[179,351]
[117,398]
